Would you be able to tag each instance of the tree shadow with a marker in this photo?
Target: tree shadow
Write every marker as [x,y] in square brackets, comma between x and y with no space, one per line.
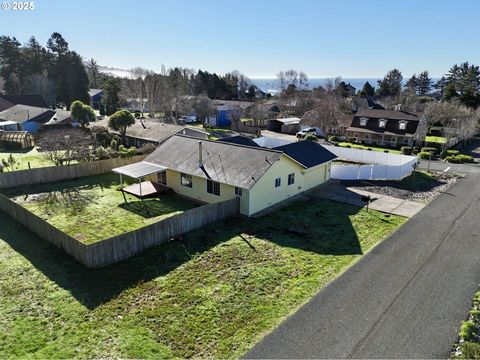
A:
[312,227]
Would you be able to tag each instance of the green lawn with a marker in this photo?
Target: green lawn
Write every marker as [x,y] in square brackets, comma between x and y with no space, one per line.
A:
[24,157]
[212,294]
[436,139]
[92,208]
[365,147]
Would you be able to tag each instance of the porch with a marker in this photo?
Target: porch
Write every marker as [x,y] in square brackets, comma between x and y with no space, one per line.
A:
[381,139]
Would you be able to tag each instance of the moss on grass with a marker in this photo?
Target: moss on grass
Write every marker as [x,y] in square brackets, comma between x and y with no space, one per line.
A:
[214,293]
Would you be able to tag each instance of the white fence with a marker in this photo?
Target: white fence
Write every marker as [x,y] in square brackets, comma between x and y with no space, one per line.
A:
[381,166]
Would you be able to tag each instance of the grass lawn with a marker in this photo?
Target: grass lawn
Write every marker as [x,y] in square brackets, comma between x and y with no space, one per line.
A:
[92,209]
[214,293]
[436,139]
[365,147]
[24,157]
[417,180]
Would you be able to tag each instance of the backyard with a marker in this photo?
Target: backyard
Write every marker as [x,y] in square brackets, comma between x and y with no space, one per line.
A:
[211,294]
[24,157]
[92,208]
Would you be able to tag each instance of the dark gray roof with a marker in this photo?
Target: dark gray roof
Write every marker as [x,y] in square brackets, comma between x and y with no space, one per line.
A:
[30,100]
[239,140]
[232,164]
[307,153]
[24,113]
[153,130]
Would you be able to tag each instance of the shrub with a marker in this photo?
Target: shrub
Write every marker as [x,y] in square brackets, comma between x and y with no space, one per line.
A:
[122,148]
[424,155]
[311,137]
[114,144]
[132,151]
[333,138]
[432,150]
[406,150]
[102,153]
[467,330]
[386,151]
[415,151]
[464,158]
[369,149]
[137,114]
[347,146]
[470,350]
[447,153]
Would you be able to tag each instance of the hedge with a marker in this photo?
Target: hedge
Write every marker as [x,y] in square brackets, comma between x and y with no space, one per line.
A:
[424,155]
[406,150]
[447,153]
[459,159]
[432,150]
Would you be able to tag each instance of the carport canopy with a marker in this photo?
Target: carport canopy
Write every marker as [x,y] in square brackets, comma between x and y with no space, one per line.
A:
[139,170]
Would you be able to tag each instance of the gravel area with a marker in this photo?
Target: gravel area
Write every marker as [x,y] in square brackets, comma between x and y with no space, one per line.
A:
[420,189]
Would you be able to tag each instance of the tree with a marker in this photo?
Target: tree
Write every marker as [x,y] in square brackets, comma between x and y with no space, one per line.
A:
[110,99]
[120,121]
[235,115]
[412,84]
[391,84]
[93,71]
[10,64]
[204,108]
[368,90]
[328,110]
[133,89]
[63,144]
[82,113]
[424,83]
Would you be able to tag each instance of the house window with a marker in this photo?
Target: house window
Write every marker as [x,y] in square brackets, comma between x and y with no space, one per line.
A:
[291,179]
[278,182]
[162,177]
[382,123]
[186,180]
[402,125]
[405,140]
[366,136]
[238,191]
[213,187]
[363,121]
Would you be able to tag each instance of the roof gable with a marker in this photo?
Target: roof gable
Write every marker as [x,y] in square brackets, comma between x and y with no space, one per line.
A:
[307,153]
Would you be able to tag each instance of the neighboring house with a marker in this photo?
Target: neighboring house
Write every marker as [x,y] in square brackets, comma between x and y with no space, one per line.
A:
[153,131]
[62,117]
[224,109]
[285,125]
[350,89]
[364,103]
[388,127]
[239,140]
[26,118]
[7,101]
[214,171]
[95,98]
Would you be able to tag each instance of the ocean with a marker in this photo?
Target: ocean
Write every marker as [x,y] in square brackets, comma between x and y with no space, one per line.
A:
[272,85]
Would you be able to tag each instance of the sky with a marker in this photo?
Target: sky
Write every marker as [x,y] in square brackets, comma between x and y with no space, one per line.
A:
[323,38]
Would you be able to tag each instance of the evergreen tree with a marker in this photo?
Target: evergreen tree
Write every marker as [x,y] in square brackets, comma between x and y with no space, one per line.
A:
[110,99]
[391,84]
[412,84]
[93,71]
[11,65]
[424,83]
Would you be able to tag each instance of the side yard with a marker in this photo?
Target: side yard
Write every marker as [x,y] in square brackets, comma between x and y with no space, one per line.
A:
[213,293]
[91,208]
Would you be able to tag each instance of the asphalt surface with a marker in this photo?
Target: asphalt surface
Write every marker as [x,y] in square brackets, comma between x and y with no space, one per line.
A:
[406,298]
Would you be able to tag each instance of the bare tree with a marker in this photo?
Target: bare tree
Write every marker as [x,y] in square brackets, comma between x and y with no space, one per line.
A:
[133,89]
[204,108]
[42,85]
[235,115]
[327,112]
[64,144]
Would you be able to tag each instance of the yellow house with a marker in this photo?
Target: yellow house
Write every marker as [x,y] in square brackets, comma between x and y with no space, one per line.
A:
[213,171]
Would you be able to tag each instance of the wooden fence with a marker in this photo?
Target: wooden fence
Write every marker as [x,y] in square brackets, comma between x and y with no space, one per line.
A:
[66,172]
[126,245]
[120,247]
[43,229]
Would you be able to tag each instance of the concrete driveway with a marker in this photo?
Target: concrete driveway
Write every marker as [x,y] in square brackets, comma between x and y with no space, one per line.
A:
[406,298]
[353,196]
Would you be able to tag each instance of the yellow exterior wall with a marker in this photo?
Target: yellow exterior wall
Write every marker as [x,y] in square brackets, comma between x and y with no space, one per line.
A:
[264,193]
[198,191]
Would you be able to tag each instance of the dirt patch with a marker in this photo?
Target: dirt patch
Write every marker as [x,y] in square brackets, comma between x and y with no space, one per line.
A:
[417,187]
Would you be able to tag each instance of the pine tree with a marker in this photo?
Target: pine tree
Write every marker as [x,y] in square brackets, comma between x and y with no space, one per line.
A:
[391,85]
[424,83]
[93,71]
[368,90]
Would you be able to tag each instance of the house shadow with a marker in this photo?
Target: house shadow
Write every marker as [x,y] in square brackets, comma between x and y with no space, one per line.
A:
[308,227]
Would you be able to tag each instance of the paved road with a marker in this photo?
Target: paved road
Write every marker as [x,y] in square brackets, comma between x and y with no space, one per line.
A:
[405,298]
